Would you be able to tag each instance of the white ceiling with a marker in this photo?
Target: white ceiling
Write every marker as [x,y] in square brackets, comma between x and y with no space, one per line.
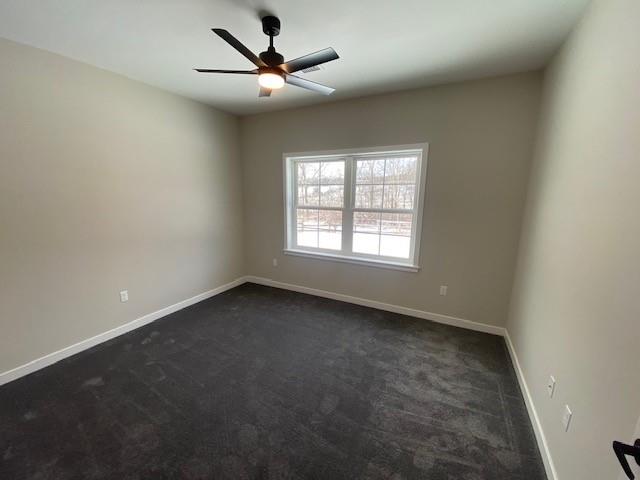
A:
[384,45]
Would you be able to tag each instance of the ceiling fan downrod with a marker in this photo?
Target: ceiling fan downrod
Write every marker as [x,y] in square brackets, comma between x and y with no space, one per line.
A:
[271,27]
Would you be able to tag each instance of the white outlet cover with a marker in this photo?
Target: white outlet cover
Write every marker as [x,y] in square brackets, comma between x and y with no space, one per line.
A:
[124,295]
[566,418]
[551,386]
[275,262]
[443,290]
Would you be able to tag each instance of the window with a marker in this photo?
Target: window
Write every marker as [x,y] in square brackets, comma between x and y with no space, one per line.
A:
[363,206]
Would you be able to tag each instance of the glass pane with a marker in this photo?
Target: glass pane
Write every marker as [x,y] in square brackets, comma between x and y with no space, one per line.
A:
[366,243]
[366,222]
[395,246]
[396,235]
[332,173]
[307,227]
[308,195]
[330,229]
[331,195]
[399,196]
[308,173]
[370,171]
[368,196]
[401,170]
[397,224]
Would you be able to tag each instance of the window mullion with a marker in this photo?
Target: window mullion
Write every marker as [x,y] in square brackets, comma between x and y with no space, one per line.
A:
[384,179]
[347,214]
[318,228]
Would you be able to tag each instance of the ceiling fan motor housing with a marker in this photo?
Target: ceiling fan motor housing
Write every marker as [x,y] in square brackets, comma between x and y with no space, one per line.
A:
[271,57]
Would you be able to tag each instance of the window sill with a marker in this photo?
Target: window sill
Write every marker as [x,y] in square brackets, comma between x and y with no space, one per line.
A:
[354,260]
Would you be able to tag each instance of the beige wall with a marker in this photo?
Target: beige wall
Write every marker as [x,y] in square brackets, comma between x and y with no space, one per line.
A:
[480,135]
[106,184]
[576,302]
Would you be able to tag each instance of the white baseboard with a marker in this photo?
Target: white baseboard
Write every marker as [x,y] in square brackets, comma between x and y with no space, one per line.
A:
[533,414]
[51,358]
[436,317]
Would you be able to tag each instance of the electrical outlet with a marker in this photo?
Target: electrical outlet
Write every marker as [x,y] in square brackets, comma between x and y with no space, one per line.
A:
[124,296]
[275,262]
[551,386]
[443,290]
[566,418]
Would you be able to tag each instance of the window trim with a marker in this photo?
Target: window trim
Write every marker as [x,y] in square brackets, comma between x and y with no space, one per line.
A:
[290,190]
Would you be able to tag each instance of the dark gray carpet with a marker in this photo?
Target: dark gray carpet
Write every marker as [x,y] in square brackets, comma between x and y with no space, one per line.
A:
[260,383]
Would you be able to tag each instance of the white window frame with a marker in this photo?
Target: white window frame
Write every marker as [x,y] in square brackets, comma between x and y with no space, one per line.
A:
[348,208]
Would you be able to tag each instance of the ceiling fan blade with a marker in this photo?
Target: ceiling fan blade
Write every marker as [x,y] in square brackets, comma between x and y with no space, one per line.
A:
[235,43]
[311,60]
[208,70]
[264,92]
[308,84]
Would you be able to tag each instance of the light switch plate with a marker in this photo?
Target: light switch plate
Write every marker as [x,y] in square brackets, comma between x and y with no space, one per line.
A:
[566,418]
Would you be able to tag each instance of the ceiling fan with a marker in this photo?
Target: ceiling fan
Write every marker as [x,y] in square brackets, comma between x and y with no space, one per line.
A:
[273,72]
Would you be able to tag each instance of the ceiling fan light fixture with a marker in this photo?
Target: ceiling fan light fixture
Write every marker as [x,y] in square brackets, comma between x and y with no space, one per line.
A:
[271,80]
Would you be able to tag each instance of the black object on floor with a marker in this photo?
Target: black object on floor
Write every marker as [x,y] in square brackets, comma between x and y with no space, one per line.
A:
[261,383]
